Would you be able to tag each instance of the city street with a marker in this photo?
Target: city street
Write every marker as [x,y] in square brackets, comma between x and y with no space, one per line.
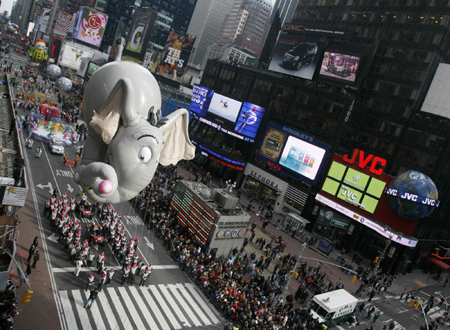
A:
[168,301]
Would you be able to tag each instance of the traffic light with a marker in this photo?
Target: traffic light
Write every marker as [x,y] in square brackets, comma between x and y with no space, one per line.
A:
[375,262]
[26,297]
[412,303]
[353,279]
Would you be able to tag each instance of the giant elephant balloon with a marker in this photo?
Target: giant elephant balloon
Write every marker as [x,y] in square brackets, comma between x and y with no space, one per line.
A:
[127,136]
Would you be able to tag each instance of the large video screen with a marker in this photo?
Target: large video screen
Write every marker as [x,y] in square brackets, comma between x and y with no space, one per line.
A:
[91,26]
[71,55]
[302,157]
[249,119]
[201,97]
[293,153]
[354,187]
[340,66]
[297,55]
[224,107]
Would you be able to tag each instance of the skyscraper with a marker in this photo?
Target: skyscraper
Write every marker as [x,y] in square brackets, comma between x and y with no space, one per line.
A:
[246,25]
[217,12]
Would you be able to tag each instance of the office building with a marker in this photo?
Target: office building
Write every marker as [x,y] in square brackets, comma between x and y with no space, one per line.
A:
[401,47]
[230,53]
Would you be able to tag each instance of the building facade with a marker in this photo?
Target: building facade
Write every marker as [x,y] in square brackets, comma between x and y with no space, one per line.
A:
[382,116]
[231,53]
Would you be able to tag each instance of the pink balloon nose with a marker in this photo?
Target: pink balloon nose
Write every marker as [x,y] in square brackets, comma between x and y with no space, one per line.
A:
[106,187]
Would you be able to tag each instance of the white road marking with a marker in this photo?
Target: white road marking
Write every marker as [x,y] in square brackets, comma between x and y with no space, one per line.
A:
[143,307]
[71,323]
[164,307]
[154,307]
[174,306]
[98,320]
[93,269]
[173,288]
[123,317]
[130,306]
[202,303]
[189,299]
[108,311]
[82,312]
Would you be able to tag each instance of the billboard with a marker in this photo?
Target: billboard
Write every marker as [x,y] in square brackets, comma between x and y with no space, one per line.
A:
[141,29]
[354,187]
[43,20]
[224,107]
[71,55]
[62,23]
[91,26]
[297,55]
[293,153]
[340,66]
[92,67]
[249,119]
[242,119]
[171,63]
[438,96]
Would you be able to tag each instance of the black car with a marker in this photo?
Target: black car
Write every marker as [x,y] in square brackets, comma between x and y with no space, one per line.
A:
[301,54]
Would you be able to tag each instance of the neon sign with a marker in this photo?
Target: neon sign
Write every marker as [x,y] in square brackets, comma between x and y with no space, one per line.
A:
[376,167]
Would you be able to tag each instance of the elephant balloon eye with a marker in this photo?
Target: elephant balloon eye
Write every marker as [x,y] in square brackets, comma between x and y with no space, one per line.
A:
[145,154]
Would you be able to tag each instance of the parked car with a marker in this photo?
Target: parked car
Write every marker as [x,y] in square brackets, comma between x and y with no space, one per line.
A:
[56,146]
[302,53]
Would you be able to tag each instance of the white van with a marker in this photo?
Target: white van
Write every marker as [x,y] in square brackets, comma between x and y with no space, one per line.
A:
[336,306]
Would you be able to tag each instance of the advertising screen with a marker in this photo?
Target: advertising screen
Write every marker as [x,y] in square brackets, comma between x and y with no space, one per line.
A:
[172,61]
[91,26]
[297,55]
[302,157]
[71,55]
[340,66]
[224,107]
[249,119]
[293,153]
[201,97]
[141,28]
[92,67]
[354,187]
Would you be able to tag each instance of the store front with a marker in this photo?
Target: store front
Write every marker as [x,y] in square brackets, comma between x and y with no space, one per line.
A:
[264,187]
[293,224]
[331,225]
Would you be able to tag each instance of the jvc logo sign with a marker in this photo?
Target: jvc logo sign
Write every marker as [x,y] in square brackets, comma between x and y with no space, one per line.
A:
[376,167]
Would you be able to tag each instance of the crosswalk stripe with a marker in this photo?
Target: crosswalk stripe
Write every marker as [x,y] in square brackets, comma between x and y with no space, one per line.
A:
[111,319]
[202,303]
[189,299]
[143,307]
[123,317]
[174,306]
[173,288]
[98,320]
[82,313]
[154,308]
[68,312]
[133,312]
[164,307]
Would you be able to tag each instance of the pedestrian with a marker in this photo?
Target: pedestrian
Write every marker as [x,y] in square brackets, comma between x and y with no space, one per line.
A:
[35,242]
[100,258]
[90,283]
[125,275]
[101,265]
[370,311]
[376,316]
[361,308]
[144,278]
[76,160]
[28,271]
[78,264]
[132,274]
[445,282]
[12,125]
[110,275]
[31,252]
[371,294]
[66,158]
[391,325]
[91,299]
[102,281]
[90,258]
[35,259]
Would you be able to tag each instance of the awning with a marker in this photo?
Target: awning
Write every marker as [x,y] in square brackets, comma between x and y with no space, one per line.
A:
[439,263]
[297,218]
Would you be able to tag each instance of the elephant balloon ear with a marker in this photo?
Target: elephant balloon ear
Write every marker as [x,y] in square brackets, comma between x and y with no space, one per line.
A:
[117,106]
[177,145]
